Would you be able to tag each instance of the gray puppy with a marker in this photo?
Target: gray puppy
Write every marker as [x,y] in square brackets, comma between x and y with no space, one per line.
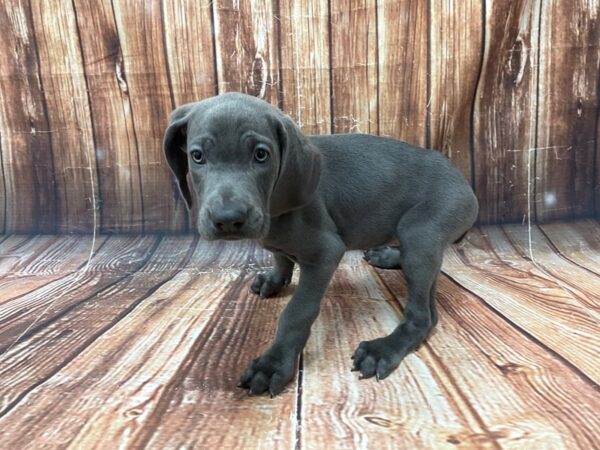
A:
[308,199]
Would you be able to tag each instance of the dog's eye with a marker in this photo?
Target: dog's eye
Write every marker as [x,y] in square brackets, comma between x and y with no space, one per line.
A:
[198,156]
[261,154]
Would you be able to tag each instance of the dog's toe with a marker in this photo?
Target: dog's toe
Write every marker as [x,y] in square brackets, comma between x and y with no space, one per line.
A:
[269,372]
[383,257]
[375,358]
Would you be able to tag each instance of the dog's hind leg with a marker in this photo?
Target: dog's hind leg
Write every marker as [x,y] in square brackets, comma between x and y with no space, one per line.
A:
[421,260]
[384,257]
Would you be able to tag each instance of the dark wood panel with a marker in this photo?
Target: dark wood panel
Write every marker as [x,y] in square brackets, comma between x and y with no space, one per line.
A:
[69,115]
[568,107]
[27,196]
[354,67]
[145,73]
[189,44]
[505,110]
[86,90]
[247,53]
[305,77]
[115,140]
[455,58]
[402,52]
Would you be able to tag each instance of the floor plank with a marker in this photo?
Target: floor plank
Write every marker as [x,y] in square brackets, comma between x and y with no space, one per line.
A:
[490,267]
[144,347]
[579,241]
[509,382]
[340,412]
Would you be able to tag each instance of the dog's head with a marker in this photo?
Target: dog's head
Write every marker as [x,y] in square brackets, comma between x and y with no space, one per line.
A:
[243,161]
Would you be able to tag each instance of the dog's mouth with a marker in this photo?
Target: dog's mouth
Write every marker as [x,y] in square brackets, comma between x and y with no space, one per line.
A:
[255,228]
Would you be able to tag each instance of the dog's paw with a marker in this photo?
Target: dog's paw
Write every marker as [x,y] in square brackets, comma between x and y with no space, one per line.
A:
[383,257]
[269,372]
[375,358]
[269,284]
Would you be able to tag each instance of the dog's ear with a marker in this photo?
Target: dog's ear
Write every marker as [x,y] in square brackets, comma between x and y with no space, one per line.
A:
[174,147]
[299,169]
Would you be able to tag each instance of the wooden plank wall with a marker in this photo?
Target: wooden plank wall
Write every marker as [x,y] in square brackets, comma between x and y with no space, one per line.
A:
[507,90]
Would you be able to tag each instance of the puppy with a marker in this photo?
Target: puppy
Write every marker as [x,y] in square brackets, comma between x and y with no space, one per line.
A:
[308,199]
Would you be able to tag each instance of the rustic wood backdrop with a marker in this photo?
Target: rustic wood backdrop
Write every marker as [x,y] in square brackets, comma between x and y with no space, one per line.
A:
[507,89]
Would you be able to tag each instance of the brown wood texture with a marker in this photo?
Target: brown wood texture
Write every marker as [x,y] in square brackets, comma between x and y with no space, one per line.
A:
[354,67]
[403,66]
[305,63]
[27,195]
[505,111]
[143,347]
[247,55]
[507,90]
[455,51]
[566,128]
[69,115]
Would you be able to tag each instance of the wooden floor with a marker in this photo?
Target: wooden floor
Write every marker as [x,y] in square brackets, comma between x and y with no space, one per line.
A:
[143,347]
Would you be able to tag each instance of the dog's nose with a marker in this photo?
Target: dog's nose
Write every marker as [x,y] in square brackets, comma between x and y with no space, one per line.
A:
[229,220]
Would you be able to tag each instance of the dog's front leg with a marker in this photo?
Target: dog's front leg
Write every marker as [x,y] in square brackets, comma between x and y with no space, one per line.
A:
[275,368]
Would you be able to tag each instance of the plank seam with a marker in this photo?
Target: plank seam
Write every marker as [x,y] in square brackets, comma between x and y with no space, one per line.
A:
[562,255]
[474,99]
[80,267]
[97,204]
[133,121]
[145,433]
[46,114]
[299,391]
[525,333]
[214,45]
[440,366]
[112,324]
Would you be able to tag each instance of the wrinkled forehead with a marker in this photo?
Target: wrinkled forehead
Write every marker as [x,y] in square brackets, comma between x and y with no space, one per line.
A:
[227,122]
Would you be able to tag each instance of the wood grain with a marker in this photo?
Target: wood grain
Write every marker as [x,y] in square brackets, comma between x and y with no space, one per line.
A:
[27,197]
[69,116]
[41,261]
[505,111]
[568,107]
[247,54]
[189,46]
[116,146]
[354,68]
[402,53]
[578,241]
[146,77]
[581,283]
[305,77]
[455,50]
[344,412]
[491,364]
[86,90]
[145,348]
[519,291]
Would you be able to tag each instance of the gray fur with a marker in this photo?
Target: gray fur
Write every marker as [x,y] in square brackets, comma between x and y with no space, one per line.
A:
[314,198]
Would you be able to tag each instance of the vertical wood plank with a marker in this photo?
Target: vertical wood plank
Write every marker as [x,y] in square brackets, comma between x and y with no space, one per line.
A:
[568,106]
[27,201]
[305,63]
[246,47]
[354,67]
[505,110]
[69,117]
[139,25]
[455,49]
[189,45]
[114,135]
[402,38]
